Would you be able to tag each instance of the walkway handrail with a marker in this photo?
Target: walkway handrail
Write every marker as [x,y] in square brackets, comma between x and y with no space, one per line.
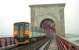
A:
[64,44]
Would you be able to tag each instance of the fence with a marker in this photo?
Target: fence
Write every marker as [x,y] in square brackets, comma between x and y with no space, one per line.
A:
[64,44]
[6,42]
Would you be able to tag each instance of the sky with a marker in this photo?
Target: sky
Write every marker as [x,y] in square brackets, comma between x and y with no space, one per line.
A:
[12,11]
[72,16]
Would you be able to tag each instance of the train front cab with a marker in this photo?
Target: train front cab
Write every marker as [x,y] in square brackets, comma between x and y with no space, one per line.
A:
[22,33]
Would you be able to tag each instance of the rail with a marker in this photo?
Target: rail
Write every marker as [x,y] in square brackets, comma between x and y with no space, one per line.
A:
[45,46]
[64,44]
[6,42]
[33,46]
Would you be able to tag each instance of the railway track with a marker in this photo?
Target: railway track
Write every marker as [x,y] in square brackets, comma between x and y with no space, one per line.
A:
[33,46]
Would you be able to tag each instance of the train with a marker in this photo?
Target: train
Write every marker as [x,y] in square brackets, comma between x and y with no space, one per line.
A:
[23,33]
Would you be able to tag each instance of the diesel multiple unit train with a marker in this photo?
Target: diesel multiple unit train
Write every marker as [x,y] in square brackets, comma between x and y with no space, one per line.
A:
[23,33]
